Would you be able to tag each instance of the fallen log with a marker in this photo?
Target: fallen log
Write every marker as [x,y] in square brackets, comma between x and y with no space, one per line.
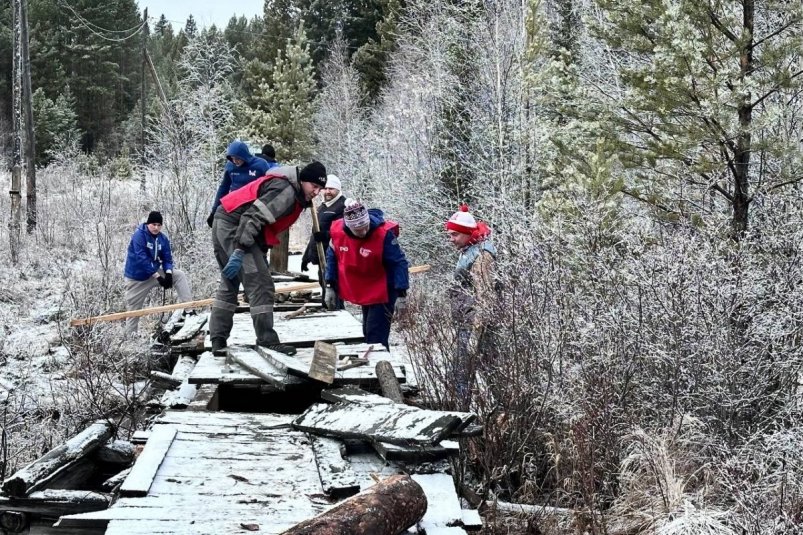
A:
[164,380]
[56,502]
[387,508]
[116,452]
[39,472]
[200,303]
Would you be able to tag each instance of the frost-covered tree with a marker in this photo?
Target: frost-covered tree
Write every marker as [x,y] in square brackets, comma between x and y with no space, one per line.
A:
[284,113]
[56,125]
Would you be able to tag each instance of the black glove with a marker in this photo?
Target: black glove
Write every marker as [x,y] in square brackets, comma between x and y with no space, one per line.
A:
[161,281]
[321,236]
[304,266]
[210,219]
[168,280]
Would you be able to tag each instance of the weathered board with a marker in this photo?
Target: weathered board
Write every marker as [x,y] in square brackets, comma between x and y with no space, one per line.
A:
[440,490]
[333,326]
[394,452]
[254,363]
[192,326]
[324,362]
[397,424]
[209,370]
[140,478]
[337,477]
[254,471]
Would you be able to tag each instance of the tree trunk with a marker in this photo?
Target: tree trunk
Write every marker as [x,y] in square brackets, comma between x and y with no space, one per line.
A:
[30,139]
[741,172]
[387,381]
[387,508]
[16,120]
[278,255]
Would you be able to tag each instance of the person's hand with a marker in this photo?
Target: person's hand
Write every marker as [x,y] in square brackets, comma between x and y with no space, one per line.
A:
[161,281]
[234,264]
[321,236]
[330,299]
[400,307]
[210,219]
[168,280]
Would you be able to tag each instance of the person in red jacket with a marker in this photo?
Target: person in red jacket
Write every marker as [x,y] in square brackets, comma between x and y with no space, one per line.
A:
[365,265]
[245,226]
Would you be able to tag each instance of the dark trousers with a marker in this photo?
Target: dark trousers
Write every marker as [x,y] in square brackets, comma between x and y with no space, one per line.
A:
[257,282]
[376,323]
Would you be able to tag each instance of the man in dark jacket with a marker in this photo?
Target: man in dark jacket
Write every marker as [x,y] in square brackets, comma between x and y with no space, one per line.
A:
[242,168]
[330,209]
[366,266]
[149,264]
[269,155]
[246,225]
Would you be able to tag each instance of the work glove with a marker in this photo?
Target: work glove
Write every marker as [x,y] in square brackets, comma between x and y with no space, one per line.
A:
[234,265]
[161,281]
[400,307]
[304,266]
[168,280]
[321,236]
[330,299]
[210,219]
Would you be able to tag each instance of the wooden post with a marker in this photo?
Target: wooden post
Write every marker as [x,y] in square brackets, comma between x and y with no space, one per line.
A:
[16,120]
[30,139]
[279,254]
[387,381]
[316,227]
[387,508]
[143,97]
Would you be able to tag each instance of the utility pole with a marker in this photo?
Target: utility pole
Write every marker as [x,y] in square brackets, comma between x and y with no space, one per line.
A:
[30,138]
[16,167]
[142,98]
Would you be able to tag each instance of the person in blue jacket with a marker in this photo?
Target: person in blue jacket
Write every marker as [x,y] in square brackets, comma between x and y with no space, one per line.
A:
[150,264]
[242,167]
[269,155]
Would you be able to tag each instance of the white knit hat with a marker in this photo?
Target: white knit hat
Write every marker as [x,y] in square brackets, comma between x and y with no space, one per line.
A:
[462,221]
[333,182]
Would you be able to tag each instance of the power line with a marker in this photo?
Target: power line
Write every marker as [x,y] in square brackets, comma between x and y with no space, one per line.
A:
[96,29]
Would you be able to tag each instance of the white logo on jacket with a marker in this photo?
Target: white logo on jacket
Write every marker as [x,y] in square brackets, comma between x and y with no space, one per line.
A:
[252,173]
[344,249]
[365,252]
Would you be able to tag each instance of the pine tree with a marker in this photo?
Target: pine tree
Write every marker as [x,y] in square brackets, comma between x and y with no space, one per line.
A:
[56,125]
[190,28]
[284,113]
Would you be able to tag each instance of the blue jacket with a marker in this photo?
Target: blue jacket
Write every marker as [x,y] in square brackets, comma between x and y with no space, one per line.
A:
[146,253]
[235,177]
[393,258]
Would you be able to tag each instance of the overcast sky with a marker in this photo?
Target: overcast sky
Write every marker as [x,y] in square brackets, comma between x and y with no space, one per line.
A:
[205,12]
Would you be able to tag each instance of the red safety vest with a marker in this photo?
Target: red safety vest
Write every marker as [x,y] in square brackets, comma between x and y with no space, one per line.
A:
[249,193]
[361,277]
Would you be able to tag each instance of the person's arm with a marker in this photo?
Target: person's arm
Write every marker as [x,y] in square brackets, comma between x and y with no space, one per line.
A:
[396,263]
[223,189]
[277,198]
[482,278]
[331,266]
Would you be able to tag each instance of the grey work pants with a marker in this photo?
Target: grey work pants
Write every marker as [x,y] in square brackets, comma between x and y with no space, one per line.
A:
[136,293]
[257,282]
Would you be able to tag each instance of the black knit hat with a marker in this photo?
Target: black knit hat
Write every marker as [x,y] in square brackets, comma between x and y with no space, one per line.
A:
[154,217]
[314,172]
[269,151]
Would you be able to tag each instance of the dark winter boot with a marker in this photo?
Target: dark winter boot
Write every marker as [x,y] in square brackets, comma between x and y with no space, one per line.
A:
[219,347]
[282,348]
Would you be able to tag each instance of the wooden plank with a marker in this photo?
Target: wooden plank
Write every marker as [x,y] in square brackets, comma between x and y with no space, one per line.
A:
[416,454]
[192,326]
[472,520]
[284,363]
[139,480]
[337,478]
[397,424]
[439,489]
[324,361]
[205,399]
[339,325]
[252,362]
[176,306]
[209,370]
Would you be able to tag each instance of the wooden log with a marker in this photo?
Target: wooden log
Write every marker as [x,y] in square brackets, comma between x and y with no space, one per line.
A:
[175,399]
[164,380]
[39,472]
[116,452]
[111,484]
[387,381]
[387,508]
[52,502]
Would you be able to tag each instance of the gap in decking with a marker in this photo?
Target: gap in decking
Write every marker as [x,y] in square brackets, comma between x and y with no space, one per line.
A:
[260,399]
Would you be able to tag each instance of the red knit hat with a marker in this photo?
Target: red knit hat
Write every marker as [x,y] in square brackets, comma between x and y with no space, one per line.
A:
[462,221]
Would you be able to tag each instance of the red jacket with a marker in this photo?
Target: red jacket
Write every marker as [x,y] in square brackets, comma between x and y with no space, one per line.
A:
[361,277]
[249,193]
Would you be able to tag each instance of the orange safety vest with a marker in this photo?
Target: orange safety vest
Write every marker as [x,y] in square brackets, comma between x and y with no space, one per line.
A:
[361,276]
[249,193]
